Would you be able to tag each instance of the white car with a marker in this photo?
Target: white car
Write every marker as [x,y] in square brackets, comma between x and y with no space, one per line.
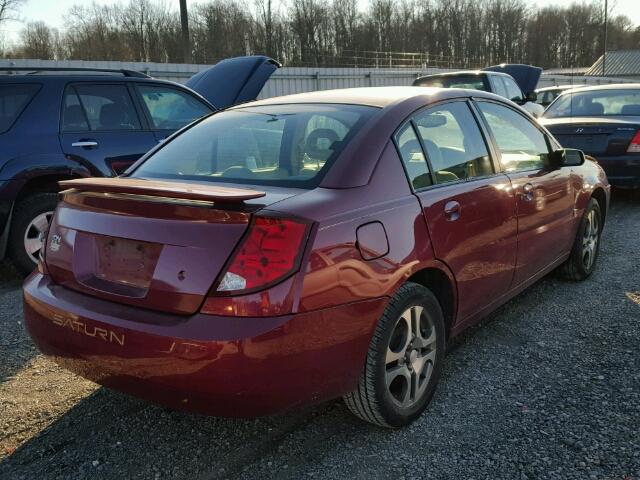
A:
[509,81]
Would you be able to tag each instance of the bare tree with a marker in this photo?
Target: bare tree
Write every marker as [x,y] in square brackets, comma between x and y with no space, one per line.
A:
[38,41]
[9,9]
[456,33]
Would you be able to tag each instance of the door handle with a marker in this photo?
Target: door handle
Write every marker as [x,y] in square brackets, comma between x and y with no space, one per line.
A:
[452,210]
[85,144]
[527,192]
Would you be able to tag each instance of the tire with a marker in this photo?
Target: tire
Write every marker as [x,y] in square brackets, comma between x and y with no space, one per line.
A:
[393,407]
[37,206]
[580,264]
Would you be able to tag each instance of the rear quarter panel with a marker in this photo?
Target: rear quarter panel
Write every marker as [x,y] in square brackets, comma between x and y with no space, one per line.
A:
[335,272]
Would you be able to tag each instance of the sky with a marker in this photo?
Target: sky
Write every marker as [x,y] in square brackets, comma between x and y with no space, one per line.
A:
[52,11]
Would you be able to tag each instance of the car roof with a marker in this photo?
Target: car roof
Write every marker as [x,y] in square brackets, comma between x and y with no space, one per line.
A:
[466,72]
[66,77]
[560,87]
[370,96]
[613,86]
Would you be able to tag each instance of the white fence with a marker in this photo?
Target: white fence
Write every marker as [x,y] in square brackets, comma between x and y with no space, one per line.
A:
[289,80]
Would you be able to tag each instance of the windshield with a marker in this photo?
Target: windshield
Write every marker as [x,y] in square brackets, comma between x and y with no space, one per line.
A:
[595,103]
[473,82]
[284,145]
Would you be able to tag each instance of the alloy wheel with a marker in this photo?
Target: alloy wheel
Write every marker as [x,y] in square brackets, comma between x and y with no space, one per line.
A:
[410,357]
[34,235]
[590,239]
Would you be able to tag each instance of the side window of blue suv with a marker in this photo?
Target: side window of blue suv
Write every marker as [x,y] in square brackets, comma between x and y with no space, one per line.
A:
[98,108]
[13,100]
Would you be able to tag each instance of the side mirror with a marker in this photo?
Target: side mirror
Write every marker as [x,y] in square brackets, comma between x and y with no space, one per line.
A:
[531,97]
[567,157]
[573,157]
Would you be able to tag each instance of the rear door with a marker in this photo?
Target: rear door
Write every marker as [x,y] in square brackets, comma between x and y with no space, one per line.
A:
[545,197]
[468,207]
[169,108]
[101,127]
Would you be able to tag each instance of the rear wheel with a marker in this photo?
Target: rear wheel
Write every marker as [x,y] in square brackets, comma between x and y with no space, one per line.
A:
[586,246]
[403,362]
[30,223]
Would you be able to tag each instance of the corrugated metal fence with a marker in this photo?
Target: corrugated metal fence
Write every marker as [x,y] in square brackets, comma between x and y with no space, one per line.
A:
[289,80]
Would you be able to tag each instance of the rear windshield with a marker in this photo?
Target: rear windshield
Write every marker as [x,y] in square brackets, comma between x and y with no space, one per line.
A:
[595,103]
[285,145]
[13,100]
[473,82]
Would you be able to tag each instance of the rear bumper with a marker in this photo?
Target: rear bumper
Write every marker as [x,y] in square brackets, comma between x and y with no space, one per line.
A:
[622,171]
[215,365]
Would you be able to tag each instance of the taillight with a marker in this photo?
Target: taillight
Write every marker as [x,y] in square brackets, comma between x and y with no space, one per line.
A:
[269,253]
[252,284]
[634,146]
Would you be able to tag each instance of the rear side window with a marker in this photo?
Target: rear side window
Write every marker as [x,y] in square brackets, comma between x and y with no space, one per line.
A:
[498,86]
[513,91]
[413,157]
[171,109]
[286,145]
[13,100]
[98,108]
[454,144]
[522,146]
[596,103]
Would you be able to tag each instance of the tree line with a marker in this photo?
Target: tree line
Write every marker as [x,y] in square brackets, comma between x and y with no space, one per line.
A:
[457,33]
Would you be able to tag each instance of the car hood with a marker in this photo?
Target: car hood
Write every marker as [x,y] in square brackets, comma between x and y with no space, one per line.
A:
[233,80]
[526,76]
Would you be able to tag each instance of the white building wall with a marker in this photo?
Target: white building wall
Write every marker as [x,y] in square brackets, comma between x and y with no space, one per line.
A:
[289,80]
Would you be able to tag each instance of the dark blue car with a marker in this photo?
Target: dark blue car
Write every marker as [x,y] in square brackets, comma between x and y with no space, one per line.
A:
[604,122]
[57,125]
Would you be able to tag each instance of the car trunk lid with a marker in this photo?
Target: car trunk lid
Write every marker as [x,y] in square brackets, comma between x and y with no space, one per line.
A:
[594,135]
[233,80]
[152,244]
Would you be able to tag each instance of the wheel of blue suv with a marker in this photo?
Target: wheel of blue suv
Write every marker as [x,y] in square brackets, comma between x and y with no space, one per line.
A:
[404,360]
[586,247]
[30,222]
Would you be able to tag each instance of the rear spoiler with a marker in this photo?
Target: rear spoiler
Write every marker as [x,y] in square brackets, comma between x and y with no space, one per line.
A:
[160,188]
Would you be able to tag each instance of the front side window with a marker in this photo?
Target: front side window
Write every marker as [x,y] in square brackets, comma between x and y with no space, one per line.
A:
[412,157]
[596,103]
[98,108]
[13,100]
[522,146]
[454,144]
[285,145]
[171,109]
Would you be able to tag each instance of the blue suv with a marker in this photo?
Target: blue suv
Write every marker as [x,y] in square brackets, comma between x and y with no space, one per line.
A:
[58,124]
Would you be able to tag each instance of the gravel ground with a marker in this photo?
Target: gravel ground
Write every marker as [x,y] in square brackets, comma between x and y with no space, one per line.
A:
[548,387]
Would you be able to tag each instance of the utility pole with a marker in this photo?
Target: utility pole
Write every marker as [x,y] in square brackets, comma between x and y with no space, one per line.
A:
[184,22]
[604,46]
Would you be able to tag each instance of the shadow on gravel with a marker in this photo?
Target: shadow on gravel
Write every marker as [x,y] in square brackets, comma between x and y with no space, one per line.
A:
[16,349]
[110,435]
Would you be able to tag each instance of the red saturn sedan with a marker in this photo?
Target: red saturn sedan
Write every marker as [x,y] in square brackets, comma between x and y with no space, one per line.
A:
[297,249]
